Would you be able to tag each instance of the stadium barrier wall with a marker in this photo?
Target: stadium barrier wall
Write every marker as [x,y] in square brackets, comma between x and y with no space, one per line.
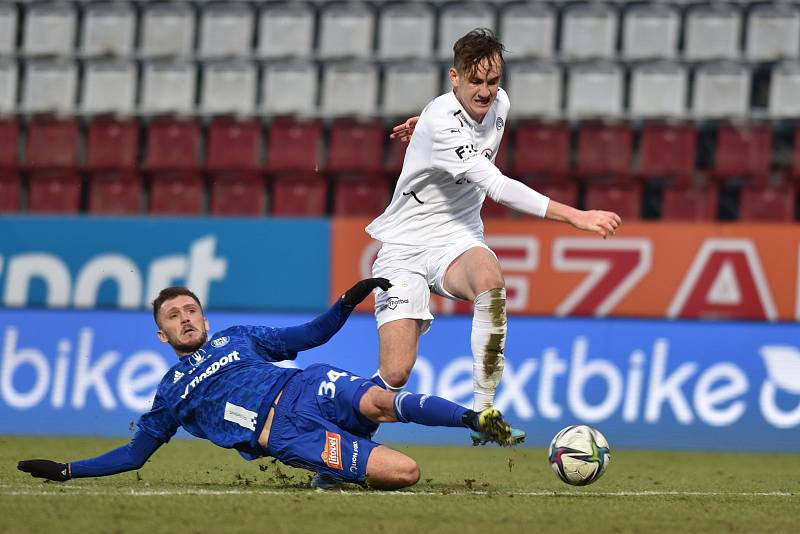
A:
[644,383]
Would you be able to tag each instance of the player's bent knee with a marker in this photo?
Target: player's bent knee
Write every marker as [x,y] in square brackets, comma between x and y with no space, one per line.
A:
[396,378]
[388,469]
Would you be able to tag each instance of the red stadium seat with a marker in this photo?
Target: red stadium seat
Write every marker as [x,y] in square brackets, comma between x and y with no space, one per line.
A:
[115,192]
[9,137]
[52,144]
[684,201]
[177,193]
[294,146]
[563,189]
[237,193]
[503,159]
[623,199]
[541,149]
[667,150]
[299,195]
[360,195]
[10,187]
[495,210]
[395,155]
[355,146]
[112,144]
[767,202]
[604,149]
[743,150]
[795,171]
[233,145]
[172,145]
[54,191]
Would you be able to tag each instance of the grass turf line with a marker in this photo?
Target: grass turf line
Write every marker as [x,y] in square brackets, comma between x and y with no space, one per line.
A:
[192,486]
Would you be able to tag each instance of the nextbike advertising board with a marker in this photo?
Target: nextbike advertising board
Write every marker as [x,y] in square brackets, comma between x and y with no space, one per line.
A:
[650,384]
[732,271]
[88,262]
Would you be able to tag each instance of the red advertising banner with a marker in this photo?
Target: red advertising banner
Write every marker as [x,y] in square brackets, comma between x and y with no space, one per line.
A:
[673,270]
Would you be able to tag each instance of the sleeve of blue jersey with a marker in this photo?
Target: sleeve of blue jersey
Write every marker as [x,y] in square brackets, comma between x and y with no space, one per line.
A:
[126,458]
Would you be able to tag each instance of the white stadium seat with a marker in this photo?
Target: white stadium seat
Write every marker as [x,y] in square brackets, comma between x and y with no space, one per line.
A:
[109,29]
[773,32]
[658,90]
[406,31]
[168,87]
[408,87]
[109,86]
[286,30]
[9,18]
[167,30]
[228,87]
[594,90]
[226,29]
[49,29]
[8,85]
[50,86]
[535,89]
[349,88]
[528,31]
[301,76]
[588,31]
[650,31]
[346,31]
[784,90]
[721,90]
[712,32]
[455,20]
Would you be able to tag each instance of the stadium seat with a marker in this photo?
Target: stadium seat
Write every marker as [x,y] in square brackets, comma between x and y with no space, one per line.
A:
[9,19]
[54,191]
[167,30]
[299,195]
[495,210]
[539,78]
[650,31]
[406,31]
[689,201]
[237,193]
[773,32]
[346,30]
[528,30]
[721,90]
[355,146]
[794,173]
[177,193]
[50,86]
[595,90]
[286,30]
[604,150]
[109,86]
[112,144]
[10,181]
[9,142]
[359,195]
[50,29]
[767,202]
[623,199]
[457,19]
[168,87]
[658,90]
[8,86]
[588,31]
[233,145]
[52,144]
[395,155]
[10,189]
[349,89]
[109,29]
[541,149]
[744,150]
[172,145]
[561,188]
[712,31]
[228,88]
[784,90]
[301,77]
[667,149]
[294,146]
[115,192]
[408,87]
[226,29]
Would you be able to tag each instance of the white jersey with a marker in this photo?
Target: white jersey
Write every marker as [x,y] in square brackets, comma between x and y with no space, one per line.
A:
[433,202]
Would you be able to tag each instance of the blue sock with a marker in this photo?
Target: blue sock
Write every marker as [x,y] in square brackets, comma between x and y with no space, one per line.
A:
[428,410]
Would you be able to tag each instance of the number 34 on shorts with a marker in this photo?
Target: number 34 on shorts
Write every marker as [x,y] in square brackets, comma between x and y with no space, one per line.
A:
[328,387]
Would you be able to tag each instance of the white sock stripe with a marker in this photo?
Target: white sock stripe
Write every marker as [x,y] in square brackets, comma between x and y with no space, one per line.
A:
[398,410]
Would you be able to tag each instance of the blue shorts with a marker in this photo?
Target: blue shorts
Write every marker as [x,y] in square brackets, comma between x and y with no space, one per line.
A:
[317,425]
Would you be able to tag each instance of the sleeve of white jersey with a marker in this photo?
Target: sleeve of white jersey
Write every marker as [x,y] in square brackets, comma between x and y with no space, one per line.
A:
[505,190]
[454,151]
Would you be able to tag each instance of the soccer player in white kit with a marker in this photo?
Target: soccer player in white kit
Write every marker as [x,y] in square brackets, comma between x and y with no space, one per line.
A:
[432,233]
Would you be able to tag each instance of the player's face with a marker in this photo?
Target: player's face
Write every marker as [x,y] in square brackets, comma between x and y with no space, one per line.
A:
[182,324]
[477,90]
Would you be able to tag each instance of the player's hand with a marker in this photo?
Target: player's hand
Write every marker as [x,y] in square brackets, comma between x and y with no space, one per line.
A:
[46,469]
[604,223]
[405,130]
[353,296]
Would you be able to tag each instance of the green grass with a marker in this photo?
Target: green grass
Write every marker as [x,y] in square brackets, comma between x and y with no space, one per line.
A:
[192,486]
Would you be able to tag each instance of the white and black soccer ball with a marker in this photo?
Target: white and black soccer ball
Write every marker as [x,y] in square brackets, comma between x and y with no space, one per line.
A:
[579,454]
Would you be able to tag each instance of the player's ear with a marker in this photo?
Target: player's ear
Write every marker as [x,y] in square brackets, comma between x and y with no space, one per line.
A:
[205,322]
[453,75]
[162,337]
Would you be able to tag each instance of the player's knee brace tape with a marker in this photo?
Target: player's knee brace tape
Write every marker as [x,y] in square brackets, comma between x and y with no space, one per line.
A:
[488,345]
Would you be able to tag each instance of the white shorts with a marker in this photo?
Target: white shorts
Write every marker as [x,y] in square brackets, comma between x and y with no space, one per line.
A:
[414,272]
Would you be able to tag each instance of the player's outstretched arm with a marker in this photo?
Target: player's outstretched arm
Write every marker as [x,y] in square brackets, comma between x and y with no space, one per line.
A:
[405,130]
[126,458]
[601,222]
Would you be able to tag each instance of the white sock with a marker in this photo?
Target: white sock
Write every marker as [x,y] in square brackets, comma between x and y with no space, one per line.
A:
[488,345]
[378,379]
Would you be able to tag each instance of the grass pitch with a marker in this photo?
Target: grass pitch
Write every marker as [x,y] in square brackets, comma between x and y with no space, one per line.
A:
[192,486]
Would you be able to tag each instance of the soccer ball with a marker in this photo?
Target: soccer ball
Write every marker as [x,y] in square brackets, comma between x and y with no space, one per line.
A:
[579,455]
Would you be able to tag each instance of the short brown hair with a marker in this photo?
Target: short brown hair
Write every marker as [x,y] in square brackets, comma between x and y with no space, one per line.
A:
[170,293]
[474,47]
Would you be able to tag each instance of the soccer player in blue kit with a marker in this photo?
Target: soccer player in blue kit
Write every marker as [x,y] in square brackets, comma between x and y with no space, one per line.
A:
[226,389]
